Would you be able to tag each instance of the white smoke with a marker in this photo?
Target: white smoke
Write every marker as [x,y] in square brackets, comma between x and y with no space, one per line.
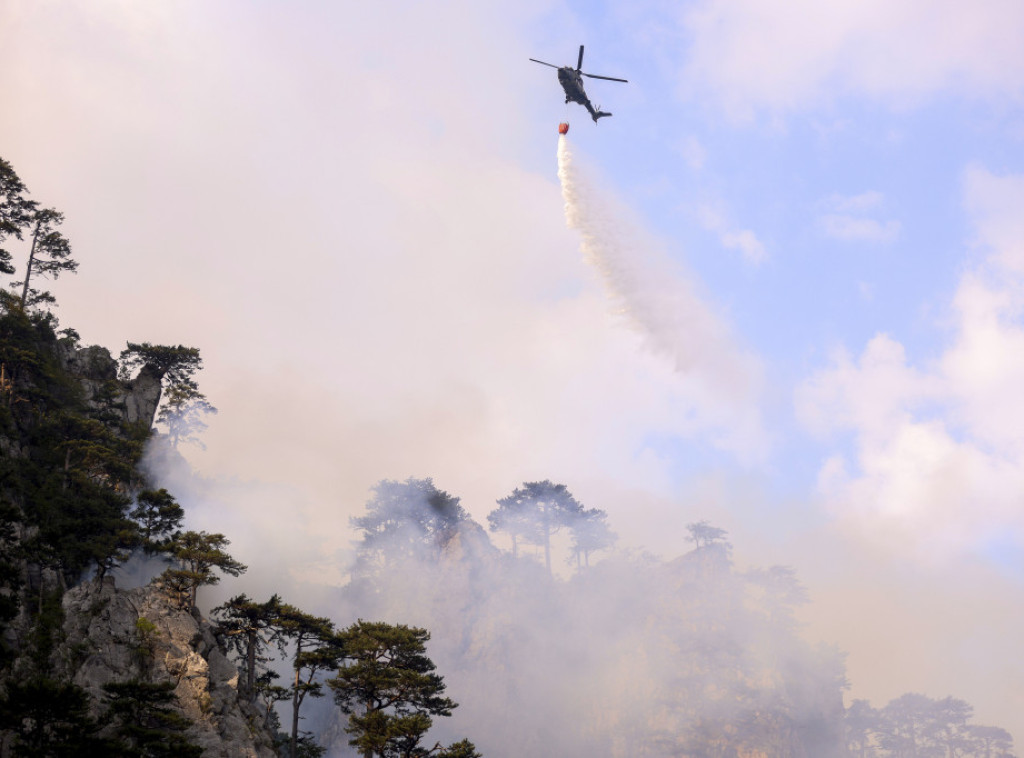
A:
[660,300]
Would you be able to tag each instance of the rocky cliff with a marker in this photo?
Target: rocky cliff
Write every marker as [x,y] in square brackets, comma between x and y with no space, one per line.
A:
[133,401]
[113,635]
[71,434]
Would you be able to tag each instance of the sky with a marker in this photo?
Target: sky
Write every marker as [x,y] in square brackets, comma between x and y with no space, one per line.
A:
[802,321]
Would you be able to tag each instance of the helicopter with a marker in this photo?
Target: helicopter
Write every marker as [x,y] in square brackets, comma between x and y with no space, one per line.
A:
[572,82]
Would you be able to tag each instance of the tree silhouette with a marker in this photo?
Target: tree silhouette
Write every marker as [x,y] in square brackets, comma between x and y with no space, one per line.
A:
[159,518]
[49,718]
[390,691]
[702,534]
[197,555]
[250,628]
[146,721]
[534,512]
[316,649]
[172,364]
[590,533]
[49,254]
[780,592]
[991,741]
[182,413]
[15,211]
[410,519]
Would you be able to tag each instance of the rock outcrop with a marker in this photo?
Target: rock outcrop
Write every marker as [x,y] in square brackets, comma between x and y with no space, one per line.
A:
[136,400]
[114,635]
[65,477]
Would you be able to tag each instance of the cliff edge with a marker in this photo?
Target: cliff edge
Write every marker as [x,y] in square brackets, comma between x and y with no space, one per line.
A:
[113,635]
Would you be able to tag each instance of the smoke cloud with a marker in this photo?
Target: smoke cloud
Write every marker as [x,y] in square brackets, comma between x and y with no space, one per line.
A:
[631,656]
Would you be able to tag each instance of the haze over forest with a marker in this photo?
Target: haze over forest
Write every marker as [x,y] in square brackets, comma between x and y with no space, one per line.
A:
[810,340]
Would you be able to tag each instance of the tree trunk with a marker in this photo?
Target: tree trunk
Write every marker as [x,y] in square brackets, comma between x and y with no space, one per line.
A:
[368,753]
[547,543]
[250,666]
[28,267]
[295,699]
[295,713]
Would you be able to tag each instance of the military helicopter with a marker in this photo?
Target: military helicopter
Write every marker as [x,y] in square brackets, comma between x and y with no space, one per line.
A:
[571,80]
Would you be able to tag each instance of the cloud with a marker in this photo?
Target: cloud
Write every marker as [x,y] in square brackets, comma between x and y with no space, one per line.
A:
[743,240]
[851,228]
[847,219]
[692,151]
[747,243]
[937,459]
[782,56]
[865,201]
[995,202]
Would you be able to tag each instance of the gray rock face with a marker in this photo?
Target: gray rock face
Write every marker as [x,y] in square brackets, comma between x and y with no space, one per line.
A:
[143,397]
[94,363]
[116,635]
[135,401]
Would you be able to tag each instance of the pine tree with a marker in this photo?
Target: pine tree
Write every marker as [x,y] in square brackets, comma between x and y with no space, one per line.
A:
[250,628]
[146,722]
[197,555]
[390,691]
[590,533]
[182,413]
[159,518]
[410,519]
[49,255]
[534,512]
[173,364]
[315,649]
[50,719]
[15,212]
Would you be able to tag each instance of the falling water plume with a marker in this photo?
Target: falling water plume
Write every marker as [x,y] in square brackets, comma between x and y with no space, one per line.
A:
[655,294]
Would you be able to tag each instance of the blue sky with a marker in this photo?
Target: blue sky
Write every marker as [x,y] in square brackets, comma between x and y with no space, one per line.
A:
[354,212]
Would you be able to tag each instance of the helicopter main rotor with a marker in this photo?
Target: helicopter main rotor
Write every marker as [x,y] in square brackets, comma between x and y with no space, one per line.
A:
[579,65]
